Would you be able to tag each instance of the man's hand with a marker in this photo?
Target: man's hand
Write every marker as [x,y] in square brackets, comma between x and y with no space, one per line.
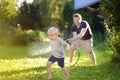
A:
[71,40]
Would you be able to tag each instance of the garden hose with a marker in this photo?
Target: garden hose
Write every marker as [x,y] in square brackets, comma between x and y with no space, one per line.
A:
[78,52]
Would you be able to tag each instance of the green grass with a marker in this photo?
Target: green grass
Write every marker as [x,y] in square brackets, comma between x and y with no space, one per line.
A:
[17,64]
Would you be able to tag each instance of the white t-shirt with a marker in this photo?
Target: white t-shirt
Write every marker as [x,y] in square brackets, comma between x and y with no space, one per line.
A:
[58,47]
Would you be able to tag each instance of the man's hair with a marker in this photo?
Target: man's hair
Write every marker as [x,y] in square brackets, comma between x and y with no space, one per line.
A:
[77,15]
[52,30]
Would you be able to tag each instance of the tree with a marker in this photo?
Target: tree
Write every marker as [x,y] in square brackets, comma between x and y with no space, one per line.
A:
[51,13]
[40,14]
[30,16]
[7,10]
[67,17]
[112,7]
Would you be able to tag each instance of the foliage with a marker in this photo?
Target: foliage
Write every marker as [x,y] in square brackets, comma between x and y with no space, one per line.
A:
[29,16]
[7,10]
[7,32]
[113,9]
[99,38]
[15,35]
[25,37]
[113,26]
[113,42]
[51,13]
[41,14]
[67,14]
[36,16]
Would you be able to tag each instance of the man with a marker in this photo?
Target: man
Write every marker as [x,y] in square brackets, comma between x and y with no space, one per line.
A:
[82,36]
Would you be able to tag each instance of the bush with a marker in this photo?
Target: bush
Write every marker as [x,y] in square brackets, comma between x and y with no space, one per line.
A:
[16,36]
[6,33]
[67,14]
[113,42]
[113,26]
[25,37]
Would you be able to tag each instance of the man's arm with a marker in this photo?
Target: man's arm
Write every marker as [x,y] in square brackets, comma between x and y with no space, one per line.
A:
[74,34]
[80,35]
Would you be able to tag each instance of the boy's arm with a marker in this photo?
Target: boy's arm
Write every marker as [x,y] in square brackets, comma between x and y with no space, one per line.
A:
[67,45]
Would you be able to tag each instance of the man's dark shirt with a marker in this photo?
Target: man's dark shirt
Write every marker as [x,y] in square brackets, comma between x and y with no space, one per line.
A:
[84,24]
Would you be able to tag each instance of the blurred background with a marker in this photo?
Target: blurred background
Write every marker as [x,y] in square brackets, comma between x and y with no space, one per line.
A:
[25,22]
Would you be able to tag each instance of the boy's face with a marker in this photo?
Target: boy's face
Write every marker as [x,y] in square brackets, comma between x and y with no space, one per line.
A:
[52,36]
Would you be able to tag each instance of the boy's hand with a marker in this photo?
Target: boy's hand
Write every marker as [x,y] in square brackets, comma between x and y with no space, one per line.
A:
[67,45]
[67,48]
[67,41]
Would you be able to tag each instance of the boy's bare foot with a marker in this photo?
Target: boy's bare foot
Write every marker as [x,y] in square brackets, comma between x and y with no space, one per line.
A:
[67,76]
[70,60]
[95,63]
[49,78]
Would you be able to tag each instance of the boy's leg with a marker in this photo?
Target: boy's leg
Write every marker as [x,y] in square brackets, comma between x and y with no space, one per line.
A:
[50,61]
[49,70]
[60,62]
[65,72]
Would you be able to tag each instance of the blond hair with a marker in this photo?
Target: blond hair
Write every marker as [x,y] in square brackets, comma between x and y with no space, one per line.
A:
[52,31]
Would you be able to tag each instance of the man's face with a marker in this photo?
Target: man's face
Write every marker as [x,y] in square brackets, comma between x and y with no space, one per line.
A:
[76,20]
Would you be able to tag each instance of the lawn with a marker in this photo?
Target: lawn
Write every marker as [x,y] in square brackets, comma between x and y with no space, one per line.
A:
[17,64]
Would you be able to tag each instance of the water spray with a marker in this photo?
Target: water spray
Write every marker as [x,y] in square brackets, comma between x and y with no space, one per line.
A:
[39,48]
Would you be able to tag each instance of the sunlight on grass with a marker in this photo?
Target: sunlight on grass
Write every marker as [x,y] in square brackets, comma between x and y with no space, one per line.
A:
[21,64]
[18,68]
[7,51]
[15,64]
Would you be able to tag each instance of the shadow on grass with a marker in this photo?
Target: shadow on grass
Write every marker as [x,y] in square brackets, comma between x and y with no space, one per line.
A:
[101,72]
[38,69]
[37,73]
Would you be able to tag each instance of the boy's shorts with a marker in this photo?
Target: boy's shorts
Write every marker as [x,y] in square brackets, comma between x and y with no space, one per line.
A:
[87,44]
[60,61]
